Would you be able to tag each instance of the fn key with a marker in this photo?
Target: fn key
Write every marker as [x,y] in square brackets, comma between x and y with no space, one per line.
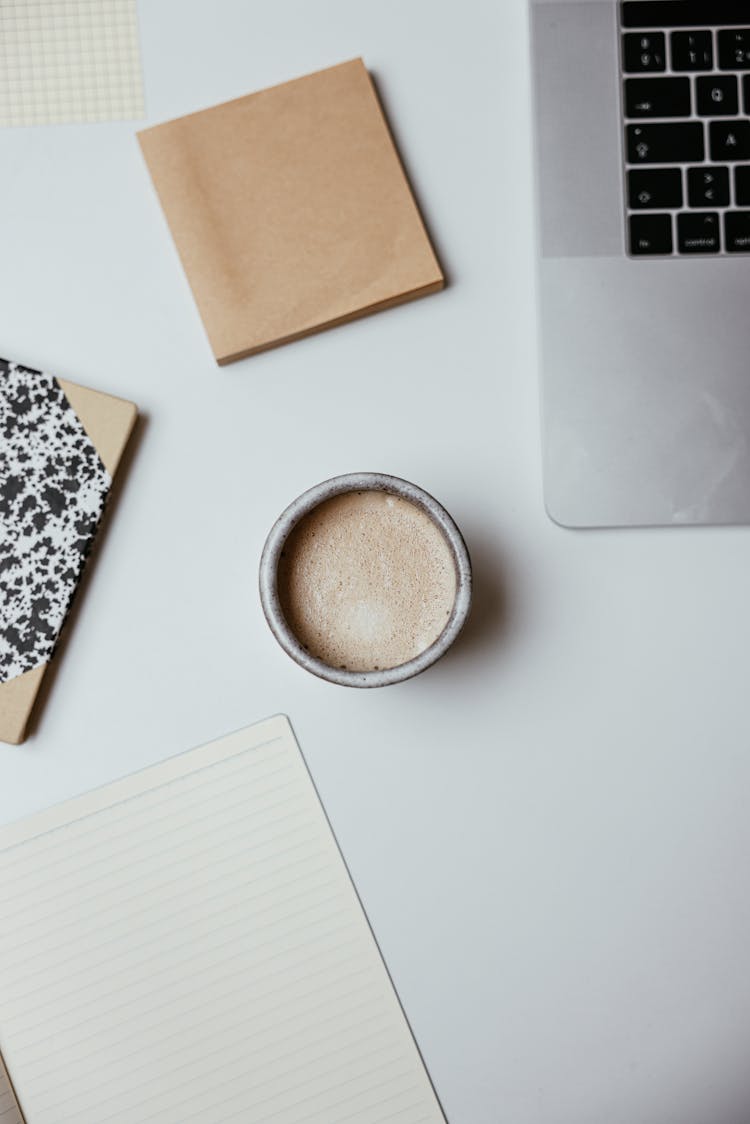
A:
[651,234]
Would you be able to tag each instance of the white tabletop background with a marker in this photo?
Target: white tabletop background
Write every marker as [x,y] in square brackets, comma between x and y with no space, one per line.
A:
[549,829]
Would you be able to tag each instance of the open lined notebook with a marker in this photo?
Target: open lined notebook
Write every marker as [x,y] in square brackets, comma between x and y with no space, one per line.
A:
[185,946]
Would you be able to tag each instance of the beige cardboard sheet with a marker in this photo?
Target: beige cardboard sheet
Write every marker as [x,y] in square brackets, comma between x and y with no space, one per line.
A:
[109,422]
[186,945]
[9,1110]
[290,210]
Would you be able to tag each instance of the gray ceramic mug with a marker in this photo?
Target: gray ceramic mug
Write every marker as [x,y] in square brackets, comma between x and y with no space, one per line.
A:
[302,506]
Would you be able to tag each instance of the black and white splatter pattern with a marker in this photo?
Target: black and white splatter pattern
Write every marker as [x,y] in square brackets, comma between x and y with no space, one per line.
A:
[53,487]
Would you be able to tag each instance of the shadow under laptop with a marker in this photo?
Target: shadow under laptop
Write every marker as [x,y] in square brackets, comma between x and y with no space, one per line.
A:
[119,484]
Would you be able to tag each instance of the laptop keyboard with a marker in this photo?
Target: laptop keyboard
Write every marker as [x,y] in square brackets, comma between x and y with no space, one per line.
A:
[686,102]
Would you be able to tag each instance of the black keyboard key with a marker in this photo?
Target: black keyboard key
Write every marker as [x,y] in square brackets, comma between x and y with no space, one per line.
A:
[651,234]
[680,143]
[737,232]
[742,187]
[684,13]
[698,233]
[746,88]
[708,187]
[730,140]
[734,49]
[718,97]
[655,190]
[658,97]
[692,50]
[645,53]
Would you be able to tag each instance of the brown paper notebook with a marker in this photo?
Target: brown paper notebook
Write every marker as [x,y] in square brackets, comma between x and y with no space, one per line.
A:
[290,211]
[61,445]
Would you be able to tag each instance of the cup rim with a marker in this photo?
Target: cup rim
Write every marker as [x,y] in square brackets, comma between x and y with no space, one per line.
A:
[302,506]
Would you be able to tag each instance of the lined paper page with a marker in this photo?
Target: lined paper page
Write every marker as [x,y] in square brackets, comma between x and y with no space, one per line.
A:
[9,1113]
[186,947]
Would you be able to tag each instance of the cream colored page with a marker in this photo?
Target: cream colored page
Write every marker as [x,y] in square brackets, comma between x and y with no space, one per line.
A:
[186,947]
[9,1113]
[69,61]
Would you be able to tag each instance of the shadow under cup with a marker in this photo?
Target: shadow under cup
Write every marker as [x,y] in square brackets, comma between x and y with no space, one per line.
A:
[422,570]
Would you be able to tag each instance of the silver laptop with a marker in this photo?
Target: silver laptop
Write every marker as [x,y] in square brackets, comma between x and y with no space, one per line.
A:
[643,142]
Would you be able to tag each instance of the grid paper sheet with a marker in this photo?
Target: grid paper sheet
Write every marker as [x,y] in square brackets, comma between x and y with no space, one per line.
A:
[69,61]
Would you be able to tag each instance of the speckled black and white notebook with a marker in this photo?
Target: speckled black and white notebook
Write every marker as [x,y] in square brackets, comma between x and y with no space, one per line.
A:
[59,447]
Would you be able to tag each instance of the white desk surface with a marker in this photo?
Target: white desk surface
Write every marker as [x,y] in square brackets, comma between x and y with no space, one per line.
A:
[549,829]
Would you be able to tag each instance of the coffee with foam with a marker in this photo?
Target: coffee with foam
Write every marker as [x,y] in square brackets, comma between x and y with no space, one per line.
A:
[367,581]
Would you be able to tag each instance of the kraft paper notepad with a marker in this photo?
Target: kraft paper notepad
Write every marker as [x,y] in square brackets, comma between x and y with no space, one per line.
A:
[290,210]
[60,446]
[185,946]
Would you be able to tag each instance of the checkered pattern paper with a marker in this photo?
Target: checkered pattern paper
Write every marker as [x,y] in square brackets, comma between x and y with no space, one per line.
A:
[69,61]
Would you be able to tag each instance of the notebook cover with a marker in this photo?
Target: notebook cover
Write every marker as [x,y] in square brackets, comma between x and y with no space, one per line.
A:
[61,445]
[290,210]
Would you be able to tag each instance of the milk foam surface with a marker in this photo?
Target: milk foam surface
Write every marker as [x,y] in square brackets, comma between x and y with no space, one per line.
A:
[367,581]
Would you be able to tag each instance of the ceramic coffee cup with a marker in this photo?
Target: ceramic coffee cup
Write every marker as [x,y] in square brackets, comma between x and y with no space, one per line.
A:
[382,572]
